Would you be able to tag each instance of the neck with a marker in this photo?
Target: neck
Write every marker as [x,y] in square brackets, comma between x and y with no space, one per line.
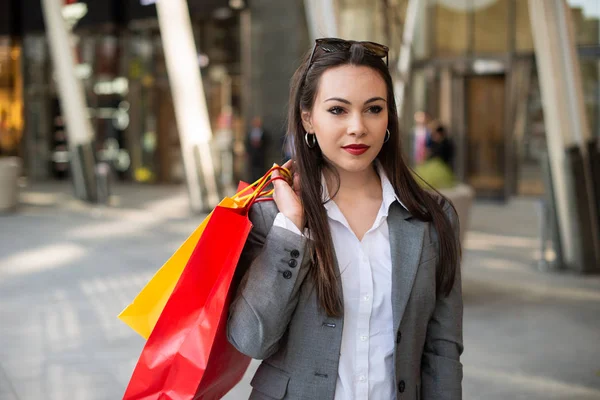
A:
[362,183]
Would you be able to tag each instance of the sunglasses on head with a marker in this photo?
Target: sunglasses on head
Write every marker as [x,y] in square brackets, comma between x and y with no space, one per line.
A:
[334,45]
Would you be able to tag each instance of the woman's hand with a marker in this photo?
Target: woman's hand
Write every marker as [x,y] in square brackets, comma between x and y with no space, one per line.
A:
[287,197]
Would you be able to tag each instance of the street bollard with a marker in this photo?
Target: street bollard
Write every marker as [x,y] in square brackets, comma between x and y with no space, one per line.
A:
[544,224]
[103,182]
[549,219]
[10,170]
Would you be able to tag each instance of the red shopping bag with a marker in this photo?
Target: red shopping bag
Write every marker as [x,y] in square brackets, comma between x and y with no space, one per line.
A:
[187,356]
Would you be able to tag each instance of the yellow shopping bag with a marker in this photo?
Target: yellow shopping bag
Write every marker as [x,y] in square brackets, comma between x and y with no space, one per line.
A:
[143,313]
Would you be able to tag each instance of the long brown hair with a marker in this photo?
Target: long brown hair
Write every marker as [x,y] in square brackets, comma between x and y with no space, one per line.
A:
[310,163]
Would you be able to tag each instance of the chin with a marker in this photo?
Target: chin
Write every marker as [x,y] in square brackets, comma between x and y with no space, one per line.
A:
[359,164]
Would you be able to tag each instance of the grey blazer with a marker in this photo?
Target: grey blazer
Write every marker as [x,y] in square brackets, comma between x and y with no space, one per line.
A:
[275,314]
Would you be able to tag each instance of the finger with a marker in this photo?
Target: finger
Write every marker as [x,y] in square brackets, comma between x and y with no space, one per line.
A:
[275,175]
[277,182]
[289,165]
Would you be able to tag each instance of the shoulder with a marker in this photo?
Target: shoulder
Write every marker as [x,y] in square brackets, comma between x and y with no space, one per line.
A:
[449,210]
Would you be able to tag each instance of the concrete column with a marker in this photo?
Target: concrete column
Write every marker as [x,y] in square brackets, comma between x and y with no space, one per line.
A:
[321,18]
[72,100]
[566,128]
[361,20]
[191,111]
[404,59]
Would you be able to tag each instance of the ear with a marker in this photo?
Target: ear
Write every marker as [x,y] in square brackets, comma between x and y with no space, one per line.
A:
[306,121]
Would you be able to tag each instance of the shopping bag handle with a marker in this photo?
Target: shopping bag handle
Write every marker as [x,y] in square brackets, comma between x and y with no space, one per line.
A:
[261,196]
[258,187]
[261,183]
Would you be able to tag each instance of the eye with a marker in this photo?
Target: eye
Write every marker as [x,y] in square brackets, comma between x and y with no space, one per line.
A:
[375,109]
[336,110]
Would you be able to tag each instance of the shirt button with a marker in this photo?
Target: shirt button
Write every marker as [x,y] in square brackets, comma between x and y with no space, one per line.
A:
[292,263]
[287,274]
[366,298]
[363,338]
[295,253]
[362,378]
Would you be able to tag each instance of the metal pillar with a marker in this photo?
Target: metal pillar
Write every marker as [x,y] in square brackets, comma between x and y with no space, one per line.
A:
[567,132]
[321,18]
[72,100]
[191,111]
[404,59]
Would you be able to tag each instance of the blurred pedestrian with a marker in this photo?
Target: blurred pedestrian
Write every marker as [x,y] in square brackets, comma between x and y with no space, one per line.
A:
[441,146]
[256,142]
[422,138]
[353,220]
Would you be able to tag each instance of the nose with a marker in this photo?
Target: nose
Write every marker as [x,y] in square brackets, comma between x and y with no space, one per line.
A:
[357,126]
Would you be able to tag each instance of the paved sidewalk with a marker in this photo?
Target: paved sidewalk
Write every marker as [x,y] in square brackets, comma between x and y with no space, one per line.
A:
[67,269]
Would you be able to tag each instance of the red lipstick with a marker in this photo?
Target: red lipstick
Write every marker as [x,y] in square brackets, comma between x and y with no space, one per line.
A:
[356,149]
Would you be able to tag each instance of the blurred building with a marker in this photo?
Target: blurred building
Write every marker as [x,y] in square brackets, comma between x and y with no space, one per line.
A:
[121,64]
[474,71]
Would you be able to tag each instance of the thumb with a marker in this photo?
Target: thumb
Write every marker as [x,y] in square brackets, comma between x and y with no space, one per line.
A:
[276,174]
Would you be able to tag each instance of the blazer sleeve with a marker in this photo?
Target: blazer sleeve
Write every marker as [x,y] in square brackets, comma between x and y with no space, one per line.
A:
[441,372]
[272,267]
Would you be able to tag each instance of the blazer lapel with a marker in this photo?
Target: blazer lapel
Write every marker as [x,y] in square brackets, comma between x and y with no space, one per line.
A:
[406,243]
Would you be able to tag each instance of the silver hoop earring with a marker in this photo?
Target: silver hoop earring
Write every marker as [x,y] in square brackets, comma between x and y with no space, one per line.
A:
[387,136]
[310,143]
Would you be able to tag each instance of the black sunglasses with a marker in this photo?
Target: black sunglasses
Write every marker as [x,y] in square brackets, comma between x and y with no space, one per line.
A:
[332,45]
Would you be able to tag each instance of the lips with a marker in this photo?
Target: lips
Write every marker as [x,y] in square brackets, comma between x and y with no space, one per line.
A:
[356,149]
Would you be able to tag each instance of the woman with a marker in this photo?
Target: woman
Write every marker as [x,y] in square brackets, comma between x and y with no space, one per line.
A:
[350,282]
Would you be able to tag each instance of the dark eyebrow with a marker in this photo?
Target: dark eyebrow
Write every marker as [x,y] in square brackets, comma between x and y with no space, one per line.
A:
[338,99]
[375,99]
[347,102]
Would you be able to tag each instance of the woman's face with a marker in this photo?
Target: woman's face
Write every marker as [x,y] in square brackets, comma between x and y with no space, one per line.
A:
[349,116]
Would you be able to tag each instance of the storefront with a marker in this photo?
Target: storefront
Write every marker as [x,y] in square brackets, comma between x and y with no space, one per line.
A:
[475,72]
[122,67]
[11,97]
[11,82]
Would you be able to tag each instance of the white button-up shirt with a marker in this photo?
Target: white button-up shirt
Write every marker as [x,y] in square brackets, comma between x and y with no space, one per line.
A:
[366,367]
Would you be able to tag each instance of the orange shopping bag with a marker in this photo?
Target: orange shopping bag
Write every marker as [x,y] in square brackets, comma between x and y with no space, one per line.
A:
[141,315]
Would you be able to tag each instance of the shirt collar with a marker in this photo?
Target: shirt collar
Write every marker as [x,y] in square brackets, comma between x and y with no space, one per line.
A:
[388,192]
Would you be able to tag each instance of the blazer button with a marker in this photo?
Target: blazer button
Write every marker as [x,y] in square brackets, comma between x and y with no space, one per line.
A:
[401,386]
[292,263]
[287,274]
[295,253]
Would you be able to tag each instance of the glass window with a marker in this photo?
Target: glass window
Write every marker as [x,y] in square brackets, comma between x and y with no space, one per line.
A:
[452,27]
[490,26]
[586,21]
[590,76]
